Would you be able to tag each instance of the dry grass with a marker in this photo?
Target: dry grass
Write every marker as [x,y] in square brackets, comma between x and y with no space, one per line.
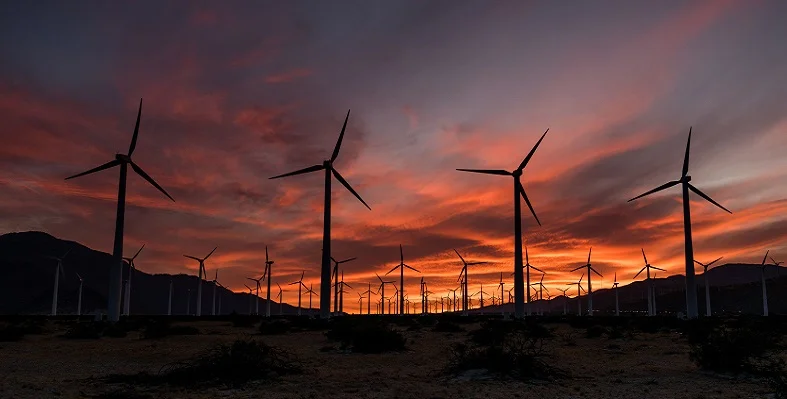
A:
[643,365]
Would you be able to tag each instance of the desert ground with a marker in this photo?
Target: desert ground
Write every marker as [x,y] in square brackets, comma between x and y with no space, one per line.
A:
[631,364]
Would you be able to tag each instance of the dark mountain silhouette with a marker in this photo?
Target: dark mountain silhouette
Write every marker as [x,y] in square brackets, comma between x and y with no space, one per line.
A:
[28,281]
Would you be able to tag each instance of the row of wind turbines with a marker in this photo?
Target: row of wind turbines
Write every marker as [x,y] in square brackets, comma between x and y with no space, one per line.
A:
[521,273]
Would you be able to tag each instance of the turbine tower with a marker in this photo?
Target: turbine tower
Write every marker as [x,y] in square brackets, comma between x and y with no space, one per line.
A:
[311,292]
[300,285]
[590,285]
[79,301]
[705,267]
[325,271]
[258,282]
[519,291]
[691,287]
[267,273]
[381,290]
[202,273]
[58,272]
[463,280]
[116,268]
[615,287]
[401,267]
[131,268]
[651,291]
[335,278]
[528,266]
[580,288]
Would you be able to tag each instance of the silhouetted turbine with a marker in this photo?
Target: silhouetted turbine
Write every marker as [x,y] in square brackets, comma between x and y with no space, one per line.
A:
[590,285]
[325,271]
[705,267]
[335,278]
[519,291]
[649,281]
[131,268]
[401,267]
[116,268]
[691,287]
[202,272]
[463,279]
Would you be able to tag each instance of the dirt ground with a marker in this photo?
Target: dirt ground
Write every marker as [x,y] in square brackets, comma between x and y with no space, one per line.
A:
[645,366]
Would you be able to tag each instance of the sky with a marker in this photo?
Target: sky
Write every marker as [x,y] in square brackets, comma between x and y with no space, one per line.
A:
[237,92]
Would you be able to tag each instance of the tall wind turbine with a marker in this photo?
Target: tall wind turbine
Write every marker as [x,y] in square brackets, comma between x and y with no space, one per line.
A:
[590,286]
[401,267]
[762,277]
[615,287]
[519,292]
[202,273]
[580,288]
[131,269]
[691,287]
[79,301]
[300,285]
[327,166]
[116,268]
[463,279]
[705,267]
[651,291]
[335,278]
[267,272]
[381,290]
[58,272]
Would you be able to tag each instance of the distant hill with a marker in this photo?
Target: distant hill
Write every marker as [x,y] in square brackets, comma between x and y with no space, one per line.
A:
[27,282]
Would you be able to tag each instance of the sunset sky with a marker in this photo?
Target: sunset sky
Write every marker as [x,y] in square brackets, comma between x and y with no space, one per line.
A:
[236,93]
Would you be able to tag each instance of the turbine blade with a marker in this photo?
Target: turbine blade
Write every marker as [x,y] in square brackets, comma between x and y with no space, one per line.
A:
[191,257]
[412,268]
[716,260]
[341,136]
[527,201]
[140,250]
[389,271]
[638,273]
[378,277]
[578,268]
[348,286]
[591,250]
[460,256]
[530,154]
[597,273]
[764,258]
[346,260]
[541,271]
[709,199]
[476,263]
[97,169]
[211,253]
[487,171]
[657,189]
[699,263]
[300,171]
[347,186]
[686,158]
[136,130]
[150,180]
[658,268]
[643,256]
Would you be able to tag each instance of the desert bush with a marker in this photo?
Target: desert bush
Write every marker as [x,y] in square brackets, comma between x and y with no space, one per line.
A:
[444,325]
[595,331]
[242,321]
[617,332]
[305,323]
[11,332]
[569,338]
[366,336]
[274,327]
[162,328]
[88,330]
[516,355]
[734,349]
[233,364]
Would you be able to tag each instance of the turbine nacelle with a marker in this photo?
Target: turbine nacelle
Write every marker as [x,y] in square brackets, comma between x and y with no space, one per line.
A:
[123,158]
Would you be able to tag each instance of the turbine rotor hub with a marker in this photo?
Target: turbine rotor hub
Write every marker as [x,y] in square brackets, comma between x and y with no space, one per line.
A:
[327,163]
[686,179]
[517,173]
[123,158]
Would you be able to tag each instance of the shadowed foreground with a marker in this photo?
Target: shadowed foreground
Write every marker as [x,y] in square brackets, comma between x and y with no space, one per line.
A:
[589,358]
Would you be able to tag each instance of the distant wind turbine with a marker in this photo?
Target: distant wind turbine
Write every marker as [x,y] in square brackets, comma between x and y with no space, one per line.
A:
[202,273]
[327,166]
[79,301]
[381,290]
[615,287]
[579,294]
[649,281]
[58,272]
[528,266]
[267,273]
[705,267]
[131,269]
[565,299]
[401,267]
[258,284]
[519,292]
[250,296]
[691,286]
[463,279]
[116,268]
[311,292]
[590,286]
[368,293]
[341,285]
[281,300]
[300,285]
[762,277]
[335,278]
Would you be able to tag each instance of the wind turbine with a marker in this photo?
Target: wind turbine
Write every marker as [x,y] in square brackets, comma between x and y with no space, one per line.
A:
[188,302]
[202,273]
[651,293]
[131,268]
[335,278]
[762,277]
[368,292]
[267,273]
[311,292]
[327,166]
[565,299]
[58,271]
[215,284]
[691,287]
[502,293]
[579,294]
[360,303]
[590,286]
[541,287]
[401,267]
[463,279]
[342,284]
[381,290]
[300,285]
[615,287]
[116,269]
[79,301]
[528,266]
[281,300]
[258,282]
[481,300]
[705,267]
[519,293]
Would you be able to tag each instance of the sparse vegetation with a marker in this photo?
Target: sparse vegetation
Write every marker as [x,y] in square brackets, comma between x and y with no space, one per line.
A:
[17,330]
[595,331]
[734,348]
[447,326]
[162,328]
[366,336]
[274,327]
